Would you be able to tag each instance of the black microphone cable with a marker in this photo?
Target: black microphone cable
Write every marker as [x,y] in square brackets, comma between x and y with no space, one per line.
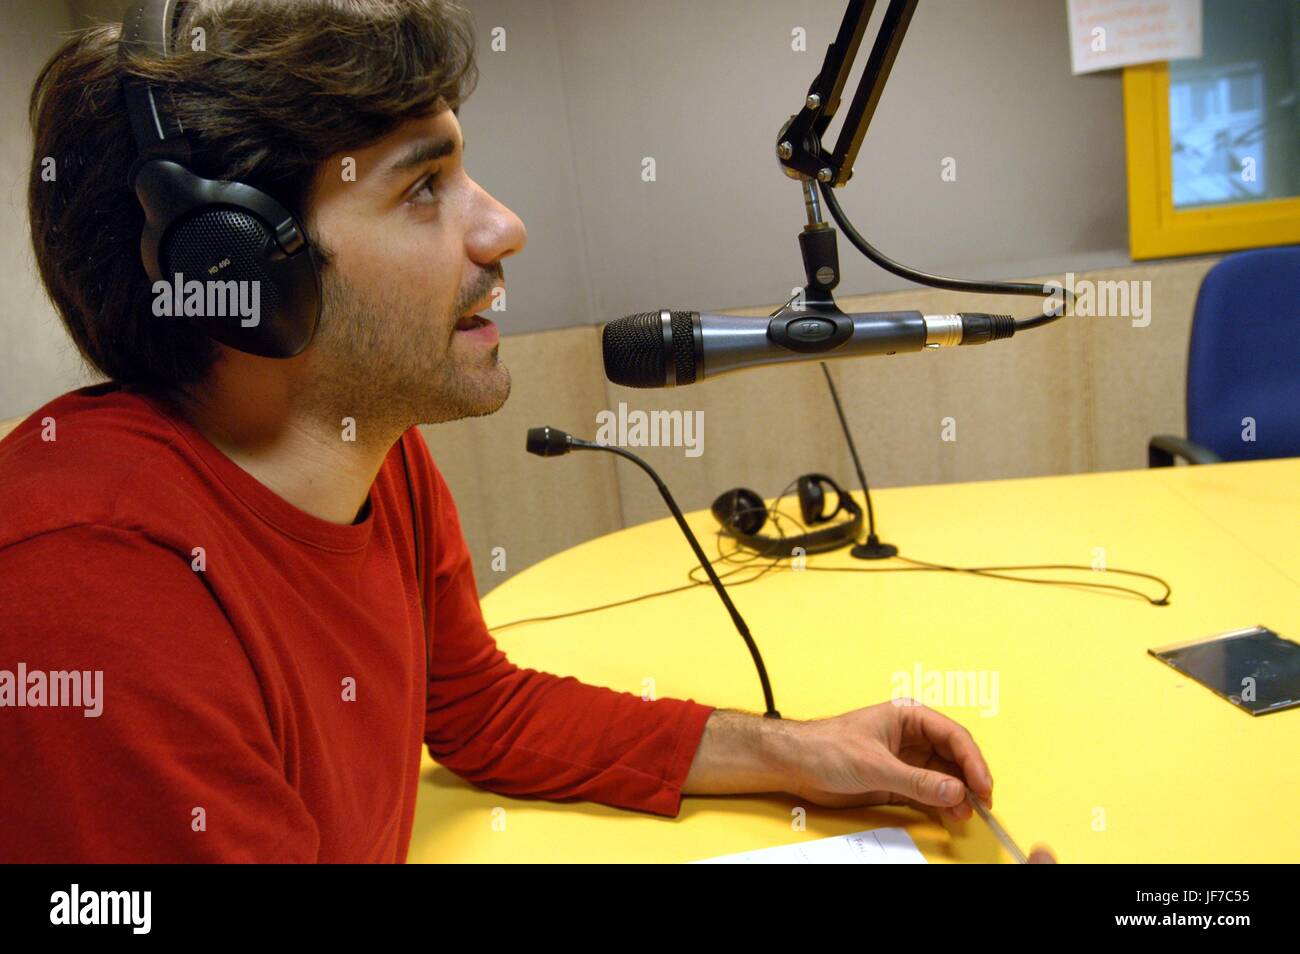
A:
[992,572]
[739,566]
[939,281]
[769,564]
[998,573]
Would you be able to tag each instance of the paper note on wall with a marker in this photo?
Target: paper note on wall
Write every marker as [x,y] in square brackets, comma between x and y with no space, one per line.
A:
[881,846]
[1105,34]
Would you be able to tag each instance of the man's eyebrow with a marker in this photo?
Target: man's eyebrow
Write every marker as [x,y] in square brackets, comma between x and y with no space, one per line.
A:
[423,152]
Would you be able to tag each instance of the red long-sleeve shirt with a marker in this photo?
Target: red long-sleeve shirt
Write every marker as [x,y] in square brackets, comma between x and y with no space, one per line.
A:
[263,697]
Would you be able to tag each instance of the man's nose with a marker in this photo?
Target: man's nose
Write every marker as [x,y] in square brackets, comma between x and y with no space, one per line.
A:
[499,232]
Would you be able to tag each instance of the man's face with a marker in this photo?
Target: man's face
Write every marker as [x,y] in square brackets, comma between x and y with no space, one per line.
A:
[416,245]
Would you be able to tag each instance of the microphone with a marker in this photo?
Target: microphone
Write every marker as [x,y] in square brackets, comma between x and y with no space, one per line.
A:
[667,349]
[552,442]
[549,442]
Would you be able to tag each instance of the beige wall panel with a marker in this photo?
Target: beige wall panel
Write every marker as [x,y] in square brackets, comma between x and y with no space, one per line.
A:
[1140,374]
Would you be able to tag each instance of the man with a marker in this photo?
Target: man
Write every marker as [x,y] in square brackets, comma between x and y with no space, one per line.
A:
[223,544]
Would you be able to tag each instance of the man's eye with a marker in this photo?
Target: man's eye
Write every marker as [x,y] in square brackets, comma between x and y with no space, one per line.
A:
[423,193]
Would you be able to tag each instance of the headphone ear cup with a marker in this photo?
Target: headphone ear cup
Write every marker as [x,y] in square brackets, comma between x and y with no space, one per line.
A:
[740,511]
[221,244]
[812,500]
[273,307]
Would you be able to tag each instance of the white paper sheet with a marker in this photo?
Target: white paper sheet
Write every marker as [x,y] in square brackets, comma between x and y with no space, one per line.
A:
[880,846]
[1105,34]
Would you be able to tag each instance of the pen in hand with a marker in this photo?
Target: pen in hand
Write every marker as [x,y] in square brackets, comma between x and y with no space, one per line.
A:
[999,832]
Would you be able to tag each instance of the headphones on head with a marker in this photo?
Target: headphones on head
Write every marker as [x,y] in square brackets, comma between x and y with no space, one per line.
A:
[211,230]
[742,514]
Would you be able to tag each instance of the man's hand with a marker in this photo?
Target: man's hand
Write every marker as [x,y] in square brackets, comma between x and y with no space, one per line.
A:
[897,752]
[894,753]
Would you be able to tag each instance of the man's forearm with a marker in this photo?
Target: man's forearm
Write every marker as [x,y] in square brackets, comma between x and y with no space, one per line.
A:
[741,753]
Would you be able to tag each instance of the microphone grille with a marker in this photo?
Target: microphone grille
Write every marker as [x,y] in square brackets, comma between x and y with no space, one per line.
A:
[547,442]
[634,352]
[683,347]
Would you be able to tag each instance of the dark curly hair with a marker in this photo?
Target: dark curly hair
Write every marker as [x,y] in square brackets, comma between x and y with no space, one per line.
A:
[277,88]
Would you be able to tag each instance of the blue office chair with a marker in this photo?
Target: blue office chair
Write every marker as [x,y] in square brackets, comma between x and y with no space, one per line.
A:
[1243,366]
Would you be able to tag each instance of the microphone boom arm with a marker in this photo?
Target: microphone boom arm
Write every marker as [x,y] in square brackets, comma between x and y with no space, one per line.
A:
[799,145]
[801,155]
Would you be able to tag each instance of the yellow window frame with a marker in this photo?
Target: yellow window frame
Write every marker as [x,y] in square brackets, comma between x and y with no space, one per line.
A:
[1156,229]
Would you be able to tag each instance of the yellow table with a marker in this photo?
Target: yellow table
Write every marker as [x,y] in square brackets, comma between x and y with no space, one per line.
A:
[1096,747]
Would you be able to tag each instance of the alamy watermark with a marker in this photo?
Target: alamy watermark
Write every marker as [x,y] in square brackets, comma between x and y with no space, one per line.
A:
[651,429]
[1103,299]
[75,906]
[60,688]
[209,299]
[946,687]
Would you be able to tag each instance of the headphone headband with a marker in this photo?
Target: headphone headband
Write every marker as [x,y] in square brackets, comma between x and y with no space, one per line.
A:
[743,513]
[148,30]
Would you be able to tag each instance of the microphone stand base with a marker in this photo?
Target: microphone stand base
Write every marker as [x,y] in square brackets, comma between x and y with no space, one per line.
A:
[873,549]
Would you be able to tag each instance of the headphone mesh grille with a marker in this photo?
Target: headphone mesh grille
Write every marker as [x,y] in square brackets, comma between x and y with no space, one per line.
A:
[198,246]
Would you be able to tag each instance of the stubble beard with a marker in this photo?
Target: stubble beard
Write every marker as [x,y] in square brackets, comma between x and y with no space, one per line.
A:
[381,359]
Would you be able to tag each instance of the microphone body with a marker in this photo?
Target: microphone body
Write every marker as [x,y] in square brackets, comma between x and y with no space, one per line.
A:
[675,348]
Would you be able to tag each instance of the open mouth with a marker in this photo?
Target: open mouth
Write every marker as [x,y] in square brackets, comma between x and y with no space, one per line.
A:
[469,322]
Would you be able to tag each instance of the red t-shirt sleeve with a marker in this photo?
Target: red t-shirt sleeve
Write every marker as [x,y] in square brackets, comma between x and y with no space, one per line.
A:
[528,733]
[182,723]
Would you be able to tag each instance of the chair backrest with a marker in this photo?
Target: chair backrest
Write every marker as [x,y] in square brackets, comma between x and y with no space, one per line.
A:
[1243,369]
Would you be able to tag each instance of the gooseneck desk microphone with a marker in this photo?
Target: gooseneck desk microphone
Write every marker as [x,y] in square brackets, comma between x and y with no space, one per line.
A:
[551,442]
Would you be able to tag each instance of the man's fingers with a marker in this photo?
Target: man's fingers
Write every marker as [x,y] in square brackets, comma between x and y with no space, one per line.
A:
[929,758]
[920,784]
[954,743]
[1041,855]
